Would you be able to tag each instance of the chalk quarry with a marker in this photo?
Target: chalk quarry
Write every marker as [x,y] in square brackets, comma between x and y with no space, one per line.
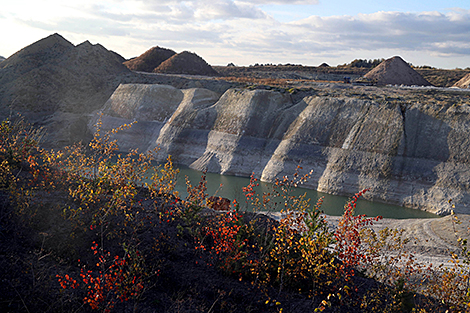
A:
[416,155]
[410,147]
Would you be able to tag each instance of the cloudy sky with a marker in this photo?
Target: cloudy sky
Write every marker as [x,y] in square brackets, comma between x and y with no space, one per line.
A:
[308,32]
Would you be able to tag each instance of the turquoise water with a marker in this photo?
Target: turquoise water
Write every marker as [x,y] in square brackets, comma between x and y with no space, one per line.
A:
[231,187]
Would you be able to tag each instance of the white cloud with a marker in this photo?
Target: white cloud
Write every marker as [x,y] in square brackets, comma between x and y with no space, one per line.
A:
[284,2]
[395,30]
[226,9]
[203,10]
[241,32]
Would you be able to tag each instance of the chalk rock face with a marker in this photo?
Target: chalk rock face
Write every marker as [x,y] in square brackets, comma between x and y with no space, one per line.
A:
[464,82]
[246,125]
[184,136]
[415,155]
[144,102]
[324,123]
[148,105]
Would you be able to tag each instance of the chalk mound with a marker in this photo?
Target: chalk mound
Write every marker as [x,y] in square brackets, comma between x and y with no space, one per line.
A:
[186,63]
[150,59]
[55,83]
[464,82]
[53,74]
[395,71]
[36,55]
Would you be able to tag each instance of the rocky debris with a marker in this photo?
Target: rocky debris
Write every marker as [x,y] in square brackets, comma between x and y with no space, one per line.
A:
[278,73]
[45,51]
[464,82]
[186,63]
[119,57]
[395,71]
[149,60]
[53,78]
[53,74]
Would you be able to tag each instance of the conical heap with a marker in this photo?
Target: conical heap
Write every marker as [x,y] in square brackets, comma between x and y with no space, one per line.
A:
[37,54]
[186,63]
[150,59]
[395,71]
[464,82]
[53,74]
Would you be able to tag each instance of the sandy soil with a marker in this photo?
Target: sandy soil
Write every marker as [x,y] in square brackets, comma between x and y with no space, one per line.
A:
[431,240]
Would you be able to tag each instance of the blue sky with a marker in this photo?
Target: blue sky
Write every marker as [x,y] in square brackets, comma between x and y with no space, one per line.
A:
[345,7]
[243,32]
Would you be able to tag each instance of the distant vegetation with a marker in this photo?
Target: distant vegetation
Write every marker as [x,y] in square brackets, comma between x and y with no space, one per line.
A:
[363,63]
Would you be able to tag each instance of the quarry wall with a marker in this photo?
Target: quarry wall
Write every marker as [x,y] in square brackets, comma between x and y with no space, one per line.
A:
[415,155]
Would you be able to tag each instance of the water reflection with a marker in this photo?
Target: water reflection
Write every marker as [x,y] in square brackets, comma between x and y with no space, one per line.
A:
[231,187]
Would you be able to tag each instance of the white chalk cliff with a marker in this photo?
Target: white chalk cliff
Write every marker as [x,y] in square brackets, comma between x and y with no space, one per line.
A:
[409,156]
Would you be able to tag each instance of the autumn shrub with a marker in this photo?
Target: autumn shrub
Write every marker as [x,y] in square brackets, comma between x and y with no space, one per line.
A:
[226,237]
[124,206]
[19,149]
[221,234]
[100,182]
[114,279]
[296,260]
[197,194]
[451,283]
[348,243]
[104,183]
[163,181]
[291,254]
[114,196]
[105,192]
[396,270]
[300,252]
[18,141]
[380,255]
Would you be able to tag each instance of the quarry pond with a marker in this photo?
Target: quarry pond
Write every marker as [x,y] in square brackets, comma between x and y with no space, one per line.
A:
[231,187]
